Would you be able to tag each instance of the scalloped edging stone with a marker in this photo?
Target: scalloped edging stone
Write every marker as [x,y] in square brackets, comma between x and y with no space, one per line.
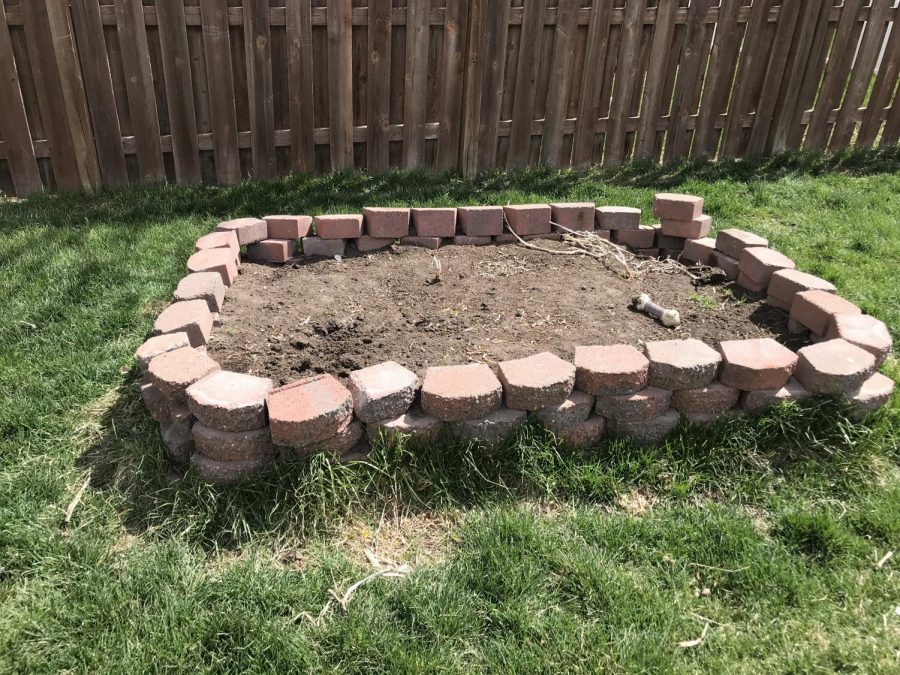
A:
[228,426]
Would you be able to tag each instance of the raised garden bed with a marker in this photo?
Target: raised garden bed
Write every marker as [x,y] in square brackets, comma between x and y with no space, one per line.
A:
[318,350]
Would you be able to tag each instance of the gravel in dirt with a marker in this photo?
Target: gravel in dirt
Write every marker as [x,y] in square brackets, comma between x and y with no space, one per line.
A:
[479,304]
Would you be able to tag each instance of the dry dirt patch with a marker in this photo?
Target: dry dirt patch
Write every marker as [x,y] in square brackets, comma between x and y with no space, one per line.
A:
[489,304]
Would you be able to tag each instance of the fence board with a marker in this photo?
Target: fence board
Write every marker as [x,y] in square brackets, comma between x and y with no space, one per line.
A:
[300,84]
[259,87]
[792,82]
[525,88]
[415,82]
[752,60]
[98,86]
[884,85]
[454,64]
[179,91]
[14,128]
[718,79]
[861,76]
[340,76]
[645,141]
[836,71]
[560,78]
[812,74]
[626,74]
[592,72]
[379,85]
[677,141]
[217,49]
[135,54]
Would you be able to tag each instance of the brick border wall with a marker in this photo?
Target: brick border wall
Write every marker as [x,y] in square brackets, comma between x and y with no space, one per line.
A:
[230,425]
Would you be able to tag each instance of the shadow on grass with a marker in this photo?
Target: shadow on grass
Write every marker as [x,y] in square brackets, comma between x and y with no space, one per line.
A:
[355,189]
[796,450]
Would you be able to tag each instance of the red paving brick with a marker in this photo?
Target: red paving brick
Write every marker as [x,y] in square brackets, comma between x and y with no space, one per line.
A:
[309,410]
[536,381]
[610,369]
[759,363]
[454,393]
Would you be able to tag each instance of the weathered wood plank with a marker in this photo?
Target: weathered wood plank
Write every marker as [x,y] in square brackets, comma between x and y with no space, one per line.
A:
[179,91]
[415,82]
[14,127]
[753,57]
[217,49]
[450,94]
[340,77]
[525,87]
[663,30]
[560,80]
[139,85]
[379,84]
[98,86]
[259,87]
[300,84]
[626,74]
[689,72]
[496,25]
[591,76]
[861,77]
[812,74]
[836,71]
[884,85]
[719,78]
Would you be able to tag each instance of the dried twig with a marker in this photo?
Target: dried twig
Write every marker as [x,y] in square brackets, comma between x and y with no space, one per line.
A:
[344,599]
[70,509]
[590,244]
[881,563]
[687,644]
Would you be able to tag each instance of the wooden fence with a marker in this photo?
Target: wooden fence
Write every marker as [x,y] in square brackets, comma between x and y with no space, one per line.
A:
[111,91]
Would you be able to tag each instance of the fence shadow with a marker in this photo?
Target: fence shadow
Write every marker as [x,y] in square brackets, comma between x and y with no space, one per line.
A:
[352,190]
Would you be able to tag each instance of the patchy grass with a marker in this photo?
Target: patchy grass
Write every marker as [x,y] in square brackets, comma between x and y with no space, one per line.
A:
[762,535]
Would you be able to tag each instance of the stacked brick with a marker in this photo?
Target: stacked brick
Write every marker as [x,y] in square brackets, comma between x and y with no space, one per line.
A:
[230,425]
[681,220]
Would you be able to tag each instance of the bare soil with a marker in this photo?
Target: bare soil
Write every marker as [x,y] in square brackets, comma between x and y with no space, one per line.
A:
[488,304]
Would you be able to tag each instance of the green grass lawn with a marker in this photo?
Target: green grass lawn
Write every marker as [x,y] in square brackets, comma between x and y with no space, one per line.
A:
[763,536]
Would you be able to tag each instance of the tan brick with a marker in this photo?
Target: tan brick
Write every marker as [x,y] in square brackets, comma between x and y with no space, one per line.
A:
[646,431]
[647,403]
[577,216]
[309,410]
[528,218]
[480,221]
[732,241]
[173,372]
[833,367]
[434,222]
[864,331]
[610,370]
[715,397]
[816,309]
[248,230]
[233,446]
[536,381]
[687,229]
[677,206]
[272,250]
[681,364]
[339,226]
[206,286]
[230,401]
[618,218]
[454,393]
[382,391]
[288,227]
[756,364]
[218,260]
[386,222]
[191,316]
